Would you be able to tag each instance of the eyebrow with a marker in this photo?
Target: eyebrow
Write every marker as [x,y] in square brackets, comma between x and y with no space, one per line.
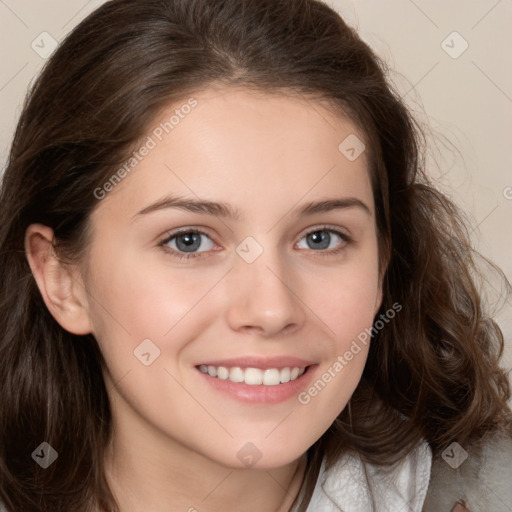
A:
[225,210]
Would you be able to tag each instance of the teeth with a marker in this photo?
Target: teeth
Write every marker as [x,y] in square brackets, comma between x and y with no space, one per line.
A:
[271,377]
[254,376]
[236,375]
[285,375]
[222,373]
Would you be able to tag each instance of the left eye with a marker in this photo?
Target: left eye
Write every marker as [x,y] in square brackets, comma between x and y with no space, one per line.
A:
[322,239]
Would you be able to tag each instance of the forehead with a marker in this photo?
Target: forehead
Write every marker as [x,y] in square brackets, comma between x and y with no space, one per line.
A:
[246,146]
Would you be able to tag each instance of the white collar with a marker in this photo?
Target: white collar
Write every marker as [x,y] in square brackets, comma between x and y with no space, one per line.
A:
[354,486]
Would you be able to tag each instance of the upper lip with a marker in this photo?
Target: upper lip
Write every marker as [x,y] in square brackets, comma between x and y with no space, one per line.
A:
[260,362]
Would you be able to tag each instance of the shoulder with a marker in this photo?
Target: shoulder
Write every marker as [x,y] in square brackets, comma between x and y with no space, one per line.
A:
[480,476]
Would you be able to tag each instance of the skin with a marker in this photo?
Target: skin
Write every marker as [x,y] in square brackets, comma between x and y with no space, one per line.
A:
[176,439]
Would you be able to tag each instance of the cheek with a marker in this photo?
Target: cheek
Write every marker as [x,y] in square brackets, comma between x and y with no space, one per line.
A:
[351,304]
[134,300]
[346,299]
[348,310]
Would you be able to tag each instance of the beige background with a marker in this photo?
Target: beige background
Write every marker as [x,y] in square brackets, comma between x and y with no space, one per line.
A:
[466,98]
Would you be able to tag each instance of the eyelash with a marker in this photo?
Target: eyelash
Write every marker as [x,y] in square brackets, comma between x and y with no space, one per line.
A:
[186,256]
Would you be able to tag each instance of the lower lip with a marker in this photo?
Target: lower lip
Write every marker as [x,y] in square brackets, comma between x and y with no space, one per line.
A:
[261,394]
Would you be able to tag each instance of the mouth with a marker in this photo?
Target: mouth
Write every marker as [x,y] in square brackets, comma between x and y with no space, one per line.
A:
[258,381]
[254,376]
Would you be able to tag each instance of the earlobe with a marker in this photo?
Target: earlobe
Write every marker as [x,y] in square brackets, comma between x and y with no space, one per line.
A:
[60,289]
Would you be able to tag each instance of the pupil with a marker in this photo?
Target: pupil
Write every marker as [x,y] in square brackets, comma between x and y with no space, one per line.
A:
[322,237]
[187,241]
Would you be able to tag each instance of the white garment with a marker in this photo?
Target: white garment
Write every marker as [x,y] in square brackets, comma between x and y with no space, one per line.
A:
[346,486]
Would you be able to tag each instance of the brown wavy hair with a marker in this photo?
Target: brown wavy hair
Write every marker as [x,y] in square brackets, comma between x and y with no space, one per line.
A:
[433,372]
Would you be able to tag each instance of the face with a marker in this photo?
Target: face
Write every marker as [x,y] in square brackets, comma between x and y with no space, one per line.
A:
[241,247]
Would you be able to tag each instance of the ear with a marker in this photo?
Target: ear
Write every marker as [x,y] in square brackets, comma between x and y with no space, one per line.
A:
[59,283]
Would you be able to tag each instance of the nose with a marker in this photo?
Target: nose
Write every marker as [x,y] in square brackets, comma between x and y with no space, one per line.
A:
[264,296]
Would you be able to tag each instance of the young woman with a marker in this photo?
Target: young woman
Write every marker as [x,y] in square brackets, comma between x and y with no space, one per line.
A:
[227,283]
